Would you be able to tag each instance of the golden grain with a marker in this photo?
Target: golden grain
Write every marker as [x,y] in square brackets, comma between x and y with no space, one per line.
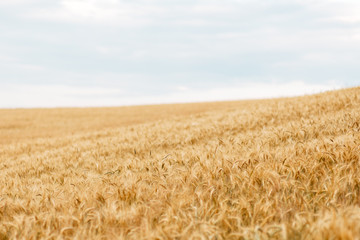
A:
[267,169]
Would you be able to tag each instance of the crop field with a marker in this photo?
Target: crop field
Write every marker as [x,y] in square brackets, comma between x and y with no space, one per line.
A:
[286,168]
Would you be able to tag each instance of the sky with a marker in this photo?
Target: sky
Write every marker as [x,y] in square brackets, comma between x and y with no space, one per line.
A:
[82,53]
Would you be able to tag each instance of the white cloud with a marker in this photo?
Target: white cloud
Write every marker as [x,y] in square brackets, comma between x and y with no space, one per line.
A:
[68,96]
[30,67]
[12,63]
[5,58]
[180,45]
[213,8]
[13,2]
[104,50]
[343,11]
[247,91]
[25,95]
[346,19]
[111,12]
[193,22]
[182,88]
[136,13]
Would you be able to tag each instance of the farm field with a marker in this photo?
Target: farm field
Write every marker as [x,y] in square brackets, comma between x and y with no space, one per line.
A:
[286,168]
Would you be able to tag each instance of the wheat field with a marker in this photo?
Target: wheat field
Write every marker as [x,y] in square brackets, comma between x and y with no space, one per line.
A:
[283,168]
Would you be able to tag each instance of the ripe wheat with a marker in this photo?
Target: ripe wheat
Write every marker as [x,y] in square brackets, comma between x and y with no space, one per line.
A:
[272,169]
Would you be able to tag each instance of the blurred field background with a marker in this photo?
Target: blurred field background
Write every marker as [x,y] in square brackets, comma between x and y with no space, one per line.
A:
[264,169]
[24,125]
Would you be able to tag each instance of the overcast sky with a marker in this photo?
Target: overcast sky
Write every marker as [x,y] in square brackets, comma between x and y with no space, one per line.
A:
[124,52]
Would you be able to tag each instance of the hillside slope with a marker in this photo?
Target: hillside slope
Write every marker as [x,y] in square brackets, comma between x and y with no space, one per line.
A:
[273,169]
[27,125]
